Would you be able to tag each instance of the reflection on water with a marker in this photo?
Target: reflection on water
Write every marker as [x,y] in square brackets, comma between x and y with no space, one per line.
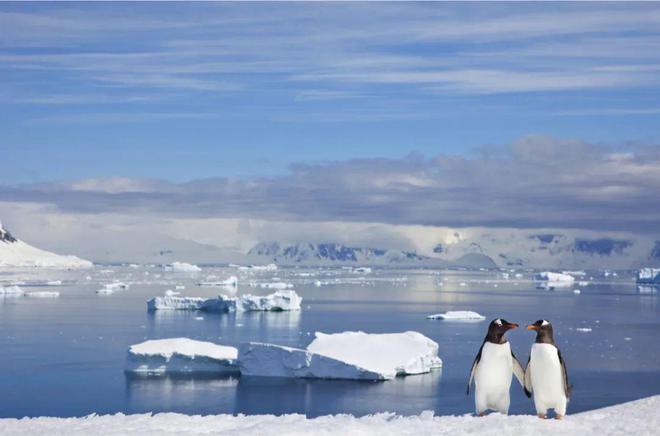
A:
[251,395]
[647,289]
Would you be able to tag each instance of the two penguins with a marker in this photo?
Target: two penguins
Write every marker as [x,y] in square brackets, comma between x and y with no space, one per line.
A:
[495,366]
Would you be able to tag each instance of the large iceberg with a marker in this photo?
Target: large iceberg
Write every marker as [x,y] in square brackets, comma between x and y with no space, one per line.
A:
[277,302]
[222,303]
[649,276]
[348,355]
[180,355]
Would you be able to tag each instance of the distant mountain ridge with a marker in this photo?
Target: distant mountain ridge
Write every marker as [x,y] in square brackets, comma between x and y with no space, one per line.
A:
[338,254]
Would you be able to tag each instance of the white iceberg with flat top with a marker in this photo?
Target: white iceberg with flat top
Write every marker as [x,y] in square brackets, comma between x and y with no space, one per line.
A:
[276,302]
[348,355]
[458,315]
[181,355]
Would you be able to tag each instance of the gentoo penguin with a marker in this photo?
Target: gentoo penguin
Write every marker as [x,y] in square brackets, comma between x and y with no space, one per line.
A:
[546,375]
[493,368]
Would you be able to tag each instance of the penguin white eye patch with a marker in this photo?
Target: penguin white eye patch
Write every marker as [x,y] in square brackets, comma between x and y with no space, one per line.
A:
[545,323]
[498,321]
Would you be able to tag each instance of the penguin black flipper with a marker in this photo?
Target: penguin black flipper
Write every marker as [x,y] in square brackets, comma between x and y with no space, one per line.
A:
[518,370]
[474,367]
[527,386]
[567,387]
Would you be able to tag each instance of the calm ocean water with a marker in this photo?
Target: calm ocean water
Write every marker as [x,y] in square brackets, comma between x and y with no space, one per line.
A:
[65,356]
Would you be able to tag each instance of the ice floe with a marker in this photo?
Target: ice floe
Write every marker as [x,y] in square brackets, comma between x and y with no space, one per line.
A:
[458,315]
[11,290]
[348,355]
[278,301]
[181,355]
[231,282]
[182,267]
[649,276]
[42,294]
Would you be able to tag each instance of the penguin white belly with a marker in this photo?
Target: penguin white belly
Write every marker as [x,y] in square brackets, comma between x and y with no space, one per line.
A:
[492,378]
[547,379]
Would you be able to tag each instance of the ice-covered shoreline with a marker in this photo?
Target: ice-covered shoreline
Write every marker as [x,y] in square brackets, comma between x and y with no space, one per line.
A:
[636,417]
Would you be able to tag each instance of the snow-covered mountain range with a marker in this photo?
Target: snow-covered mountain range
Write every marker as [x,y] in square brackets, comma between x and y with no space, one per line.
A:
[339,254]
[16,253]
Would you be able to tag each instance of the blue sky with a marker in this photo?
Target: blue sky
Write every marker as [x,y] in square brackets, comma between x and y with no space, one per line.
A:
[183,92]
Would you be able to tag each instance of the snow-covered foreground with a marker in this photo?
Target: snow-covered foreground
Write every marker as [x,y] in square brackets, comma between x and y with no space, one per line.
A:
[635,418]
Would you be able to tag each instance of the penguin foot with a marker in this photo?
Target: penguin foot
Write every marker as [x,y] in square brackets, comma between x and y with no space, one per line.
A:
[559,417]
[542,416]
[482,414]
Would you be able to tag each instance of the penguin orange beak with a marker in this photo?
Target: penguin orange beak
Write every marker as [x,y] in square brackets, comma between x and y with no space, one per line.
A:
[532,327]
[512,325]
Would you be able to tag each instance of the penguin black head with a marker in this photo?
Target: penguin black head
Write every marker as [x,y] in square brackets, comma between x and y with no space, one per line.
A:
[544,333]
[496,330]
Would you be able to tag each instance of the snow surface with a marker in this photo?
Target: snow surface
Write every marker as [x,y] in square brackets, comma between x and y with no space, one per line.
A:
[182,267]
[179,355]
[649,276]
[634,418]
[348,355]
[16,253]
[458,315]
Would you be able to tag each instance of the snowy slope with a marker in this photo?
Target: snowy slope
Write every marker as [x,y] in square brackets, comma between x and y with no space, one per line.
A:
[16,253]
[635,418]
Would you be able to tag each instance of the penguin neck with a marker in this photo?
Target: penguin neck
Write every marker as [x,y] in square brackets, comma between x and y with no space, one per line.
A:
[495,338]
[545,337]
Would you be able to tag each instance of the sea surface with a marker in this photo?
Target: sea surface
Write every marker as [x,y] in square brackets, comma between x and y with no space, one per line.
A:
[65,356]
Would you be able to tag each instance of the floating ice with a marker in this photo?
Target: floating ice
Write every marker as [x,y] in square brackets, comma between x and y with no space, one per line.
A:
[649,276]
[220,304]
[42,294]
[231,282]
[554,277]
[182,267]
[362,270]
[583,329]
[348,355]
[577,291]
[272,285]
[11,290]
[179,355]
[458,315]
[279,301]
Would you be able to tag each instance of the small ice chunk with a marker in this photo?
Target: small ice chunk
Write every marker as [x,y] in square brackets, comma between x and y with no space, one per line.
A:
[179,355]
[577,291]
[554,277]
[362,270]
[43,294]
[171,293]
[182,267]
[458,315]
[583,329]
[231,282]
